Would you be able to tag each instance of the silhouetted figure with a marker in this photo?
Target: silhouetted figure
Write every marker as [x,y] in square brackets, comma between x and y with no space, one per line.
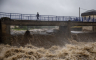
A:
[37,15]
[27,33]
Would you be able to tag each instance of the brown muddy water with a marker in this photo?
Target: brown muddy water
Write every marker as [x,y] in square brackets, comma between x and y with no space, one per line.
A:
[50,47]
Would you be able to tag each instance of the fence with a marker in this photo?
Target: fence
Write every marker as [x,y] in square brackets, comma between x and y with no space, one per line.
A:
[18,16]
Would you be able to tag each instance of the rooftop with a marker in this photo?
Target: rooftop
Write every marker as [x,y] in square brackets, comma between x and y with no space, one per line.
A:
[89,12]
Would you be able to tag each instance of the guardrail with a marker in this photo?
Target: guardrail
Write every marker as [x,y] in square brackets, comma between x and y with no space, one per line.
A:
[19,16]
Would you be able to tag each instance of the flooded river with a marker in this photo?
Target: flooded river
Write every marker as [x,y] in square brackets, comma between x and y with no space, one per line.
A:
[81,46]
[79,51]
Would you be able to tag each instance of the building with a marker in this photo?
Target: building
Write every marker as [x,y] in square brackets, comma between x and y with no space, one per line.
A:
[89,16]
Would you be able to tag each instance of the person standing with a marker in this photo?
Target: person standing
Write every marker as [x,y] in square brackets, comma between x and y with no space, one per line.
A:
[37,15]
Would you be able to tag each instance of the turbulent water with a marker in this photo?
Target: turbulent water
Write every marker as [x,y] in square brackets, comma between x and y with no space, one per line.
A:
[68,52]
[74,50]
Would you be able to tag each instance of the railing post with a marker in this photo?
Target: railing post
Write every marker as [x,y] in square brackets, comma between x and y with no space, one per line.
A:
[93,19]
[88,19]
[48,18]
[44,18]
[39,17]
[56,18]
[28,17]
[82,19]
[70,19]
[21,16]
[10,15]
[52,18]
[63,18]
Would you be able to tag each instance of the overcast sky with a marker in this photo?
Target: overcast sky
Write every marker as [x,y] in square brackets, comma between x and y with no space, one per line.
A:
[47,7]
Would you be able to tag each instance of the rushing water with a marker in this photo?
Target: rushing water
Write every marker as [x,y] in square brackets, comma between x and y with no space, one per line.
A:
[82,47]
[82,51]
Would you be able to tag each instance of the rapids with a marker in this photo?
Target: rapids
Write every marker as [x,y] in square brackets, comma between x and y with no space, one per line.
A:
[79,47]
[81,51]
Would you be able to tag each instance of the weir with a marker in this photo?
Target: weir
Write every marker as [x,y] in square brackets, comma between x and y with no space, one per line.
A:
[64,26]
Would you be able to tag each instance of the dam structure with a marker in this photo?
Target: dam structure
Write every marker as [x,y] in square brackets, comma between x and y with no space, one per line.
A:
[64,22]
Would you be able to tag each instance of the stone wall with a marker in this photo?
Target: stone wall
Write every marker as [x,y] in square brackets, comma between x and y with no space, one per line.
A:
[87,28]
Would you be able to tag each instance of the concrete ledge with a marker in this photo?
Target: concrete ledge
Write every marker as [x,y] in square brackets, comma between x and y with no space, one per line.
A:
[47,23]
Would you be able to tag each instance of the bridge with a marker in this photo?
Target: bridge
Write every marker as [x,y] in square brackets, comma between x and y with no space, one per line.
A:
[64,22]
[18,16]
[44,20]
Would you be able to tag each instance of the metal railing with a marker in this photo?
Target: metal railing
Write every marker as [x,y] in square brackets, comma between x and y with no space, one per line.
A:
[18,16]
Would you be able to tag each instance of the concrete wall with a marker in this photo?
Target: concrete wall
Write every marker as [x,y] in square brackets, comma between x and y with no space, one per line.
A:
[94,28]
[5,33]
[5,29]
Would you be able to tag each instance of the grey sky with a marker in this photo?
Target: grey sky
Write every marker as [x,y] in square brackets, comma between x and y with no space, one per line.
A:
[47,7]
